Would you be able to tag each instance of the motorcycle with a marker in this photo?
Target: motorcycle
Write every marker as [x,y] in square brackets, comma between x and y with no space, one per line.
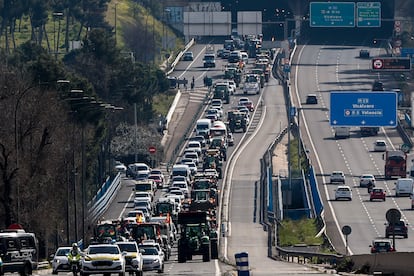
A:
[74,263]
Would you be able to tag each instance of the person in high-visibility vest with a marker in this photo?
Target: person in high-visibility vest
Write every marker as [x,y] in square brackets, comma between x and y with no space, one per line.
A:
[139,218]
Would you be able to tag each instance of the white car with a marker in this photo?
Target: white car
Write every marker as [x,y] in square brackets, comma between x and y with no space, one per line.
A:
[252,84]
[232,84]
[243,100]
[143,196]
[133,216]
[216,103]
[179,193]
[343,192]
[380,145]
[366,179]
[119,167]
[153,258]
[213,111]
[193,167]
[133,258]
[183,187]
[337,177]
[60,261]
[103,258]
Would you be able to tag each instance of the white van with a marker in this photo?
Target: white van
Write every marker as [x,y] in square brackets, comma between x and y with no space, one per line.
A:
[342,132]
[181,170]
[404,186]
[203,127]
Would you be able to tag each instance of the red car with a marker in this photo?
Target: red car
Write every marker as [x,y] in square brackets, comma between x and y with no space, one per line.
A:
[157,179]
[249,105]
[377,193]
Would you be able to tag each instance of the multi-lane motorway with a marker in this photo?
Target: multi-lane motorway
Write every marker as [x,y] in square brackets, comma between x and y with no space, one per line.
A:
[321,69]
[242,231]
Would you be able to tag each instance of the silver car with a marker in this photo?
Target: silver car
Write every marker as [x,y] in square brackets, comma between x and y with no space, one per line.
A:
[133,257]
[60,261]
[153,258]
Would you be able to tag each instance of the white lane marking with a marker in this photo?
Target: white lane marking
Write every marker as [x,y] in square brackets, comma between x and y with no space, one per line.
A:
[233,158]
[314,148]
[126,205]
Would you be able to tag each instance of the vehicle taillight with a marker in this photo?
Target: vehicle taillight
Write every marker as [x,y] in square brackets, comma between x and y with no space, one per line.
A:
[392,249]
[373,250]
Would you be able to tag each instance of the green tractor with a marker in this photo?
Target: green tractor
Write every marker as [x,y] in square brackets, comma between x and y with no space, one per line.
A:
[237,121]
[197,237]
[221,92]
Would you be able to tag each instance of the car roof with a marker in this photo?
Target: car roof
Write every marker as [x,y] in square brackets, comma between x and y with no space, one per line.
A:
[344,187]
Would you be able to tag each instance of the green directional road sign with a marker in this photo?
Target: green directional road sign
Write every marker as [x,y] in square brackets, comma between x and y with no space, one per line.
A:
[332,14]
[368,14]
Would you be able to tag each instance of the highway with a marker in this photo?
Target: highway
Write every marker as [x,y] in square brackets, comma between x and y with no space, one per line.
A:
[243,232]
[321,69]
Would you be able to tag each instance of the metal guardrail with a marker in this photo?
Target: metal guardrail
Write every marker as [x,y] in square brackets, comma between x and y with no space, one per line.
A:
[102,204]
[43,265]
[180,54]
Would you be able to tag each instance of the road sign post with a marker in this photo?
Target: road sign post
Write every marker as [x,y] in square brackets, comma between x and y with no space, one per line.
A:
[393,216]
[346,230]
[366,109]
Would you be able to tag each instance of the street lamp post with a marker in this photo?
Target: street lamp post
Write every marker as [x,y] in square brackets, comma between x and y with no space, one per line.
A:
[116,19]
[56,42]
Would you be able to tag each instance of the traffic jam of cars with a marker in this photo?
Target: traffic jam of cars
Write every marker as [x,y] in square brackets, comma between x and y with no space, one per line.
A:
[176,208]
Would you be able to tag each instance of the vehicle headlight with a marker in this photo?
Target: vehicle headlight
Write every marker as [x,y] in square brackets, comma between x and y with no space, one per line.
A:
[156,261]
[88,258]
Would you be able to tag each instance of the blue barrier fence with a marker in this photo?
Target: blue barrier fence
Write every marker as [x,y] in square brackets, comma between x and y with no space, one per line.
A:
[407,118]
[317,201]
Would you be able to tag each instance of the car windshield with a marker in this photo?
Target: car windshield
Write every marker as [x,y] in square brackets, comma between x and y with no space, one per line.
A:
[343,189]
[149,250]
[104,250]
[62,252]
[382,244]
[128,247]
[134,214]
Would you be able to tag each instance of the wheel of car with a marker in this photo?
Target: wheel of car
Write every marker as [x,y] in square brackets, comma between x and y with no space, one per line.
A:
[54,272]
[162,269]
[122,274]
[370,199]
[26,271]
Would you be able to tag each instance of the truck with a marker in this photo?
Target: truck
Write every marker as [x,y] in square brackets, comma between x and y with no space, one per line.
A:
[342,132]
[197,237]
[369,131]
[395,164]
